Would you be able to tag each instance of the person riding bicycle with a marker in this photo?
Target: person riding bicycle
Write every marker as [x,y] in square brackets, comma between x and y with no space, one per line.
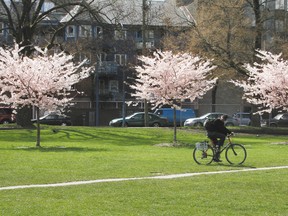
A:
[217,132]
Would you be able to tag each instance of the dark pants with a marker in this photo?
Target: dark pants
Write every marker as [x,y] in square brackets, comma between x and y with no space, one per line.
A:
[217,138]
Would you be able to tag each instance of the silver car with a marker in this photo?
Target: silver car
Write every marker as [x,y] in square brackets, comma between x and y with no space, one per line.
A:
[200,121]
[280,120]
[243,118]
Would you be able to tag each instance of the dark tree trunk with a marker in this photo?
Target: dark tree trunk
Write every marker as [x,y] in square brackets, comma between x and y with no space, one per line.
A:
[255,119]
[38,128]
[214,93]
[259,23]
[175,126]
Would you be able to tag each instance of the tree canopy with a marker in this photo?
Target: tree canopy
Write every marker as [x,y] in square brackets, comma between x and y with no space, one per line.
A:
[267,85]
[41,80]
[167,78]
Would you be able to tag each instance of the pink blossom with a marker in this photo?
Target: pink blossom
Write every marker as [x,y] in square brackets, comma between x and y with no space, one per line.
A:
[267,85]
[166,78]
[42,80]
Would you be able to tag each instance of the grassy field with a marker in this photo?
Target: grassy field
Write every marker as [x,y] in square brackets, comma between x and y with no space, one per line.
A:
[85,153]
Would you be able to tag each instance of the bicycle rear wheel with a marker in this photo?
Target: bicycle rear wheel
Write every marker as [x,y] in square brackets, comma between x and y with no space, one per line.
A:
[203,156]
[236,154]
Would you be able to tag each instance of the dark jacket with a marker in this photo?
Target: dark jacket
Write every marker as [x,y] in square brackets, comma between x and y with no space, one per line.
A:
[220,127]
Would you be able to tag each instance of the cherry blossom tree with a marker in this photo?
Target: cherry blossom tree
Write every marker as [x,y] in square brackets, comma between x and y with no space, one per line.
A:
[167,79]
[41,80]
[267,85]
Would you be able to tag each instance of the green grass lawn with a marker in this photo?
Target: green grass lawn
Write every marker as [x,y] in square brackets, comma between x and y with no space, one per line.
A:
[87,153]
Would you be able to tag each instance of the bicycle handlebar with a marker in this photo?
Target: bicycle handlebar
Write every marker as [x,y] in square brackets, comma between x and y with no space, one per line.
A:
[231,134]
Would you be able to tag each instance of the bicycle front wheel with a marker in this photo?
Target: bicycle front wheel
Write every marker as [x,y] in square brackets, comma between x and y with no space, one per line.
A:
[203,156]
[236,154]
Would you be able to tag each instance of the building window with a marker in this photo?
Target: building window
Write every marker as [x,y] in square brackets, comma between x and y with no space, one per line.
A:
[120,59]
[101,57]
[85,31]
[113,86]
[71,31]
[47,6]
[120,34]
[2,27]
[102,88]
[150,34]
[98,32]
[138,35]
[279,4]
[279,25]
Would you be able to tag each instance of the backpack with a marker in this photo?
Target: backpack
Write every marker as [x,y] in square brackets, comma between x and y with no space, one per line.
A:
[209,125]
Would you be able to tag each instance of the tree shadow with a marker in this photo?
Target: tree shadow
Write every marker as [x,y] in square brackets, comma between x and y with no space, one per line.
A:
[58,149]
[67,133]
[121,139]
[226,164]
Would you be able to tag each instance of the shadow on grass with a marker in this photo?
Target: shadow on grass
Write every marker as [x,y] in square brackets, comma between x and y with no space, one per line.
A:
[59,149]
[224,164]
[120,137]
[67,133]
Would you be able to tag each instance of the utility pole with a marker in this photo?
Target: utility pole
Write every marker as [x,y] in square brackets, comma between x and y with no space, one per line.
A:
[96,97]
[144,26]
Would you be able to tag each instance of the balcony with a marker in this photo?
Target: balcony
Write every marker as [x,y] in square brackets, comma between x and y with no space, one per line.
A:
[107,68]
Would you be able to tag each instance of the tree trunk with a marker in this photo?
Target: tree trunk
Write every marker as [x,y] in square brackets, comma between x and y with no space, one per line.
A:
[259,24]
[175,126]
[255,119]
[214,92]
[146,120]
[38,128]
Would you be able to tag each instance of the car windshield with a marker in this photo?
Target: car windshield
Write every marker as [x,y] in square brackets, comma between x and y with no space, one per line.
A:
[205,116]
[136,116]
[277,117]
[43,117]
[130,116]
[211,115]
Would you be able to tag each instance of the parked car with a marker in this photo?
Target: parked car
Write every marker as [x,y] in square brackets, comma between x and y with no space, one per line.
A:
[7,115]
[243,118]
[54,119]
[137,120]
[181,115]
[200,121]
[280,120]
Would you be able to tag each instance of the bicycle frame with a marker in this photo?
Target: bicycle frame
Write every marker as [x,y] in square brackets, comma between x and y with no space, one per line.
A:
[225,146]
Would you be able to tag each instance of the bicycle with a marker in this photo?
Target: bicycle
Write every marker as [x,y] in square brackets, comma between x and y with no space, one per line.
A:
[205,152]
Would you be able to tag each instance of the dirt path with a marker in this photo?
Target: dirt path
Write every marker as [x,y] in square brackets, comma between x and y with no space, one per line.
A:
[173,176]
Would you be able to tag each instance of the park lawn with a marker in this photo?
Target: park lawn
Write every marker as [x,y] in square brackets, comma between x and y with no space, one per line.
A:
[86,153]
[254,193]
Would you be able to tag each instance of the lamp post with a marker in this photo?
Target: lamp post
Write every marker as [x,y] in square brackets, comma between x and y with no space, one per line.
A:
[123,98]
[96,97]
[144,11]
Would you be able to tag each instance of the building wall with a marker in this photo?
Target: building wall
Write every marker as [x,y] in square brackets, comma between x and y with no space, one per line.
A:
[228,100]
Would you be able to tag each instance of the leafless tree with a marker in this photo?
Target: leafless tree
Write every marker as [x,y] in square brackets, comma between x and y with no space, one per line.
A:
[28,20]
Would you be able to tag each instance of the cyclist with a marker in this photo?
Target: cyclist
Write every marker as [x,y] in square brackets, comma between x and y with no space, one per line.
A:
[217,132]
